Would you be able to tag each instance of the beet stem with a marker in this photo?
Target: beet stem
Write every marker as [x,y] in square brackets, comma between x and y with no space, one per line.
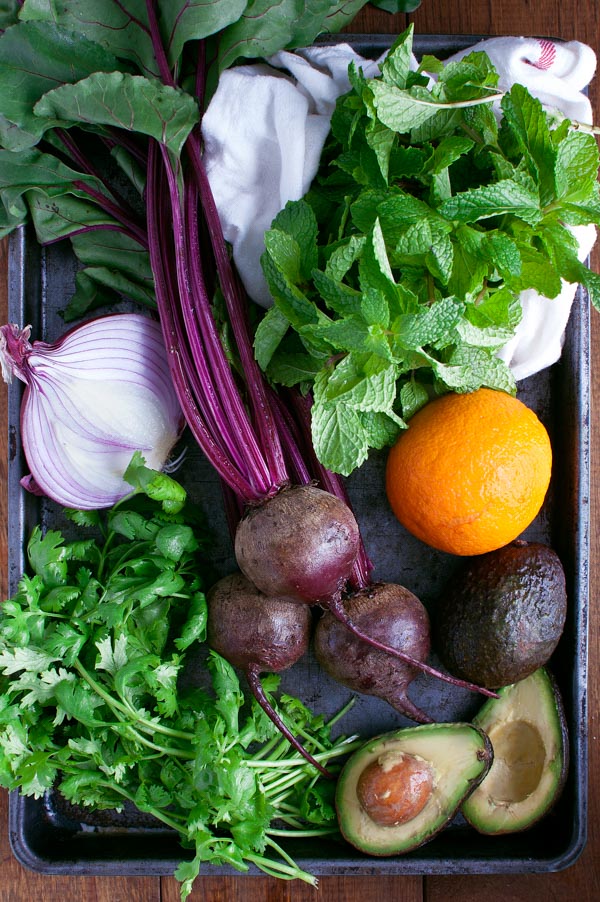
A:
[253,677]
[337,609]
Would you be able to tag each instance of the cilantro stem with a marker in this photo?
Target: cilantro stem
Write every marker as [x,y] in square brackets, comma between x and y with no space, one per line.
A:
[123,708]
[345,746]
[163,749]
[340,714]
[155,812]
[304,833]
[290,871]
[275,746]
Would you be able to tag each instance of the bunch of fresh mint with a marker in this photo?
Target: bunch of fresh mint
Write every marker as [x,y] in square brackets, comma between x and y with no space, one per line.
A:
[398,276]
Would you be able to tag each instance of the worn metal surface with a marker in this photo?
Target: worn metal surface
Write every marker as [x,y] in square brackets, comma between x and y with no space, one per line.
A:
[45,834]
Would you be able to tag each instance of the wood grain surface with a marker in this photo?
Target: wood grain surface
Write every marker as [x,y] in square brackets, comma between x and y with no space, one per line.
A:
[567,19]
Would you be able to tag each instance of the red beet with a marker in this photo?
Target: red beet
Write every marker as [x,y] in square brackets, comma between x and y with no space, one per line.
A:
[376,641]
[392,615]
[258,634]
[300,544]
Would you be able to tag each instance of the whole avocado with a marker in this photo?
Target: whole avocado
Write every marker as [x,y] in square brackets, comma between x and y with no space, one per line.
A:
[502,617]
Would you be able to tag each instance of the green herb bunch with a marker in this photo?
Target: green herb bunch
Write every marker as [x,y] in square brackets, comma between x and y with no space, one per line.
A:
[438,201]
[98,701]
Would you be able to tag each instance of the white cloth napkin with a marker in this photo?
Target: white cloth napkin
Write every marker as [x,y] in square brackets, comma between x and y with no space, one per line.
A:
[266,125]
[263,133]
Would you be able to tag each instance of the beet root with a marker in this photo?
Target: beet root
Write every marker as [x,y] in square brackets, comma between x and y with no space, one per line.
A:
[259,634]
[395,617]
[301,544]
[246,627]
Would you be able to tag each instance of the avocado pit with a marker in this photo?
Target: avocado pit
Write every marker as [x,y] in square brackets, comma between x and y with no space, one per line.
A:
[395,788]
[399,789]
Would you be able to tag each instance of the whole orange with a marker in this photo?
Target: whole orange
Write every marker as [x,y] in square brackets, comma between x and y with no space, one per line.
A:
[471,471]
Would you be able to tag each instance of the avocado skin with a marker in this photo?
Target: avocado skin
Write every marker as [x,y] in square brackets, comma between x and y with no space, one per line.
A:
[461,755]
[502,618]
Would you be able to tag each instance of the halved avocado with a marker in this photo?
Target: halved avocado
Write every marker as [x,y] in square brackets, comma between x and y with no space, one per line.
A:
[399,790]
[528,731]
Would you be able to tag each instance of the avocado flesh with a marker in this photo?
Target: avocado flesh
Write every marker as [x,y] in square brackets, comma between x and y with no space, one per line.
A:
[527,728]
[460,756]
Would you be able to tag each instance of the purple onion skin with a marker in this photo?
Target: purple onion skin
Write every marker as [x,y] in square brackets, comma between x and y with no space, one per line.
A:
[248,628]
[301,544]
[392,615]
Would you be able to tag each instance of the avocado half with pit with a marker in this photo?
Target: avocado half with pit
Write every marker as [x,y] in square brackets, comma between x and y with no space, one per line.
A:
[528,731]
[401,788]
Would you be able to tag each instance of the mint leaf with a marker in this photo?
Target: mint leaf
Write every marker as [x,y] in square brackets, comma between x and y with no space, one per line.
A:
[298,222]
[468,369]
[402,110]
[381,429]
[338,439]
[349,334]
[528,123]
[431,220]
[339,297]
[536,272]
[346,384]
[591,281]
[343,256]
[577,161]
[381,140]
[289,368]
[281,265]
[429,326]
[427,239]
[469,78]
[413,396]
[396,67]
[269,334]
[505,196]
[447,152]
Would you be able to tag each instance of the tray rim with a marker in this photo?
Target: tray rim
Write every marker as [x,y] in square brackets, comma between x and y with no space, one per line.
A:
[349,864]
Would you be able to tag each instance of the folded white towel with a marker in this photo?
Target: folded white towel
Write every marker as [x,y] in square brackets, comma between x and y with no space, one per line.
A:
[265,128]
[556,73]
[263,133]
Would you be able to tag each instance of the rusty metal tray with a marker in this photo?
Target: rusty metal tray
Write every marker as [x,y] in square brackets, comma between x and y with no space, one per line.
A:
[49,837]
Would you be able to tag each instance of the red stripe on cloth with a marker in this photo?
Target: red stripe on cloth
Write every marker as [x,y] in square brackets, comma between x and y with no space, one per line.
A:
[547,56]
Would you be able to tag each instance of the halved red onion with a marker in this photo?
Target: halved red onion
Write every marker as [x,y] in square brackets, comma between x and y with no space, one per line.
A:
[99,393]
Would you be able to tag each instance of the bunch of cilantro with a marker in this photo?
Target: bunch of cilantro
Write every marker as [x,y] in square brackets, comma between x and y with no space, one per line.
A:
[92,653]
[438,200]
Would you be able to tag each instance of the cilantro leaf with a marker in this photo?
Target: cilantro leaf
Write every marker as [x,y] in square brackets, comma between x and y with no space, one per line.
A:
[99,650]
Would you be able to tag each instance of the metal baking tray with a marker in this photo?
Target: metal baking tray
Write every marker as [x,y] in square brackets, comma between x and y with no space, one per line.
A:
[48,836]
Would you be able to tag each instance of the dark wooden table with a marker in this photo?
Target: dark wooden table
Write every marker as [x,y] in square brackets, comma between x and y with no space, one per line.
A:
[568,19]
